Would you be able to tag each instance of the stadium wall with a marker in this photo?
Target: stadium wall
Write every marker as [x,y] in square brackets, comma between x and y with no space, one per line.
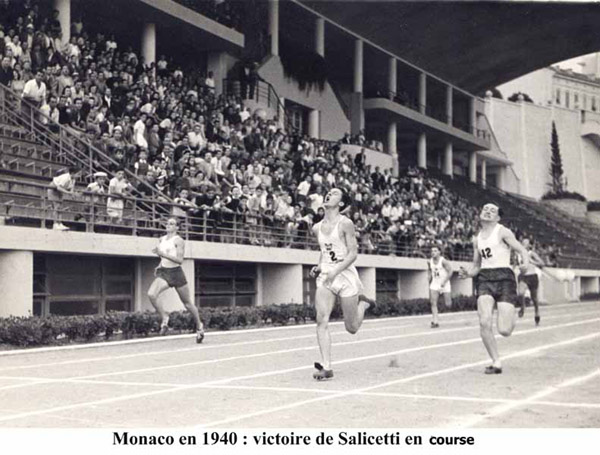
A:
[279,272]
[333,122]
[524,130]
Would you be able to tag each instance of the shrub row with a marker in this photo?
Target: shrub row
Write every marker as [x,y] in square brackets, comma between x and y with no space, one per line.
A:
[593,206]
[52,330]
[564,195]
[590,296]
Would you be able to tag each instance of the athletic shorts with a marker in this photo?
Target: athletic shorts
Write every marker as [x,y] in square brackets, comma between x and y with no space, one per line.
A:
[174,276]
[501,284]
[532,281]
[345,284]
[435,286]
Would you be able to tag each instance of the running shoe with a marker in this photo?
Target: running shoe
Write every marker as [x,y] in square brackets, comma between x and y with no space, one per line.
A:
[322,373]
[493,370]
[521,312]
[537,320]
[199,336]
[435,325]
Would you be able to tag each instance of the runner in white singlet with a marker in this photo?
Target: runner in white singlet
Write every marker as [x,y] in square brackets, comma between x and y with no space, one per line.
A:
[439,272]
[337,277]
[169,274]
[528,279]
[496,284]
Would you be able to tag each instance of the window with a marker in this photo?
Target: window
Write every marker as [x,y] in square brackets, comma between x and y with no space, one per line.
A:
[386,285]
[72,285]
[567,99]
[225,284]
[557,96]
[594,103]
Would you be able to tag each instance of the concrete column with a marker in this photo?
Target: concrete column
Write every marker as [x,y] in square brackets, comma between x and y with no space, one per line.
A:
[274,26]
[392,77]
[64,17]
[282,283]
[313,124]
[367,277]
[484,173]
[500,180]
[16,283]
[473,167]
[422,151]
[448,159]
[422,93]
[149,43]
[219,63]
[320,36]
[449,105]
[138,289]
[358,66]
[392,147]
[473,115]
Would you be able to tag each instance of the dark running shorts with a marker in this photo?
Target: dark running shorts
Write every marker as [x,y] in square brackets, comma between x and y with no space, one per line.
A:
[501,284]
[174,277]
[531,281]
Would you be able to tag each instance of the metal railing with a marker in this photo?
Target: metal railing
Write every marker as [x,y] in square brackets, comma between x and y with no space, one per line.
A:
[68,147]
[27,204]
[262,92]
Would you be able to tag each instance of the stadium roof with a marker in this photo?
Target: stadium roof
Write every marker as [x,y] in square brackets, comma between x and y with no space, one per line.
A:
[473,45]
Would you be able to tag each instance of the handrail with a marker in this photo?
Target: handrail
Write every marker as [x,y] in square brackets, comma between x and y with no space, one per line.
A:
[270,95]
[142,217]
[67,140]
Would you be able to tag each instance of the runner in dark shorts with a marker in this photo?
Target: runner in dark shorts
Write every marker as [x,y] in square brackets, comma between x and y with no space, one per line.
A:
[169,274]
[501,284]
[496,284]
[174,276]
[530,278]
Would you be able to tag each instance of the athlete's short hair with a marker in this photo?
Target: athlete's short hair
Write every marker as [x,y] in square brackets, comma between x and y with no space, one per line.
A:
[500,211]
[174,218]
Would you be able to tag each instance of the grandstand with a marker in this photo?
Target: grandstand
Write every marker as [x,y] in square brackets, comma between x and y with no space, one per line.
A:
[241,143]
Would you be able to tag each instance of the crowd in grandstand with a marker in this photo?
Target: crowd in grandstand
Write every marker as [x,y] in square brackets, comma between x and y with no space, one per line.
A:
[234,174]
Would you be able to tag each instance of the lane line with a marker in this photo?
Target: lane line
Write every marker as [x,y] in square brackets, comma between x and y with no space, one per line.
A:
[41,381]
[304,402]
[297,404]
[472,421]
[17,352]
[203,348]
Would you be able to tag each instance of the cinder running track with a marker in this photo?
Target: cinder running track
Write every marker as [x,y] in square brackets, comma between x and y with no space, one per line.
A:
[263,378]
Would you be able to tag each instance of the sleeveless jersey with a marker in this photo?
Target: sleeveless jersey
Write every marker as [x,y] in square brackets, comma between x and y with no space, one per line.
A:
[333,248]
[167,246]
[495,253]
[532,269]
[438,272]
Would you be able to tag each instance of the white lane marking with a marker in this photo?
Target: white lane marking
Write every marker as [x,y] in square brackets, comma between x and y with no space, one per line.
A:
[206,347]
[404,395]
[472,421]
[17,352]
[297,404]
[40,381]
[301,403]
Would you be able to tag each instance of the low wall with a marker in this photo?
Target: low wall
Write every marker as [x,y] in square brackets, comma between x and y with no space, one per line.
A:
[571,207]
[594,217]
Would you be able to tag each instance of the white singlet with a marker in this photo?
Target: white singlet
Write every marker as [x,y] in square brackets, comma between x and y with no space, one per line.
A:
[438,275]
[334,250]
[531,269]
[495,253]
[167,246]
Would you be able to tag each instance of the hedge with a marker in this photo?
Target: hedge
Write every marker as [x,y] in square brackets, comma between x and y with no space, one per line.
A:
[593,206]
[590,296]
[55,330]
[563,195]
